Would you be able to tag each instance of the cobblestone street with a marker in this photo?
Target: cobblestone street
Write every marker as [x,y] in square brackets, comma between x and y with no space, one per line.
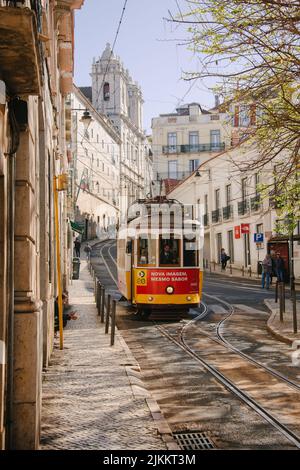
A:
[92,396]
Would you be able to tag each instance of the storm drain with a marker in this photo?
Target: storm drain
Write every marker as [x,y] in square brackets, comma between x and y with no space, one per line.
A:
[193,440]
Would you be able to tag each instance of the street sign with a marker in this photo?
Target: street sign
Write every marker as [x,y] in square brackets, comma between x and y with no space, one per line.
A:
[237,232]
[245,228]
[258,237]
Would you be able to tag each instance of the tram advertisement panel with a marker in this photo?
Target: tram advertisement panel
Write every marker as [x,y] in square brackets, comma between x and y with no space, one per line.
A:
[156,281]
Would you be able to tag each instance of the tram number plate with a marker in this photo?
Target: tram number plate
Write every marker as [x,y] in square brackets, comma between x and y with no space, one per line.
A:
[141,278]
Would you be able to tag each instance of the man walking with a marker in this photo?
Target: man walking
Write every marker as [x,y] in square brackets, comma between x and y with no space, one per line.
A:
[224,259]
[77,246]
[279,267]
[266,272]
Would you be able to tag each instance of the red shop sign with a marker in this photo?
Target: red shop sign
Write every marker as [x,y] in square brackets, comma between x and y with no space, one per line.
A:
[245,228]
[237,232]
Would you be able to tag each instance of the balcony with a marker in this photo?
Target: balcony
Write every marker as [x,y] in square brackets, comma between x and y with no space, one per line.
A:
[227,212]
[216,216]
[243,207]
[255,203]
[169,149]
[20,50]
[205,220]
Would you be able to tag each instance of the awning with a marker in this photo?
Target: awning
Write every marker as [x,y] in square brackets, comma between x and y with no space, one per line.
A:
[76,227]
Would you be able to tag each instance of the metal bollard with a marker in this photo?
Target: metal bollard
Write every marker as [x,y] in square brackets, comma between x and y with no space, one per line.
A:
[283,296]
[98,294]
[243,271]
[276,291]
[107,313]
[210,267]
[280,302]
[95,288]
[102,304]
[250,271]
[294,303]
[113,323]
[230,268]
[214,265]
[99,298]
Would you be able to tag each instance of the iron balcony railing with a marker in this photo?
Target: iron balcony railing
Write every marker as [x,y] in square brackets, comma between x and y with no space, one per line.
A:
[167,149]
[205,220]
[227,212]
[255,203]
[243,207]
[216,216]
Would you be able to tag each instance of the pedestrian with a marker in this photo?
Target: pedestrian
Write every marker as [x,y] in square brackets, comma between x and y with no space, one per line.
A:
[67,314]
[77,246]
[279,267]
[266,271]
[273,272]
[87,250]
[224,258]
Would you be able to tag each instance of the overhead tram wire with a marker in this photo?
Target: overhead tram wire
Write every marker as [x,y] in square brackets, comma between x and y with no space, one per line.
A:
[112,49]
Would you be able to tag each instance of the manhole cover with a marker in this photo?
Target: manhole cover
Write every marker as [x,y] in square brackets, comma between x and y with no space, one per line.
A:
[193,440]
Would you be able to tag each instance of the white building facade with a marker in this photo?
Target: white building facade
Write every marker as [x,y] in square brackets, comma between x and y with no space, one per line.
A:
[233,211]
[95,172]
[187,138]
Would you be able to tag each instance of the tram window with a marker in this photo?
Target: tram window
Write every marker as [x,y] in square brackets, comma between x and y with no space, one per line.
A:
[190,253]
[129,247]
[146,251]
[169,254]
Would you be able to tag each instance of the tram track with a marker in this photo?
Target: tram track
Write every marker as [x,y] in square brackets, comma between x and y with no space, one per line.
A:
[231,386]
[228,383]
[223,341]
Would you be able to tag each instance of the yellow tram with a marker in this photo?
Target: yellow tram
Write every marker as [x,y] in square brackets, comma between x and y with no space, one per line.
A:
[160,256]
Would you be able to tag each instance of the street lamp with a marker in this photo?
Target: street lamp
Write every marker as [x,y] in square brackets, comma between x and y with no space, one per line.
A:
[86,119]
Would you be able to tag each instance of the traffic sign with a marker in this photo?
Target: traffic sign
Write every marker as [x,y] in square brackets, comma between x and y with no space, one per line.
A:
[245,228]
[258,237]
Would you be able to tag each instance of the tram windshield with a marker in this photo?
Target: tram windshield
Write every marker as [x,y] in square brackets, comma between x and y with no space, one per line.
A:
[146,251]
[169,251]
[190,253]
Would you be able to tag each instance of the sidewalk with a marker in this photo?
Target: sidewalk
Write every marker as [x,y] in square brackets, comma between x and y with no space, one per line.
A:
[237,273]
[283,331]
[93,397]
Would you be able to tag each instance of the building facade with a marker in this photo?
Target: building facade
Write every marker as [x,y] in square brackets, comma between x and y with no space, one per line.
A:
[233,210]
[94,169]
[187,138]
[116,95]
[36,69]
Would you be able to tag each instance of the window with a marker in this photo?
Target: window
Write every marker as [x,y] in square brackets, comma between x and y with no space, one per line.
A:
[256,182]
[244,116]
[146,251]
[172,142]
[193,165]
[230,245]
[169,251]
[172,169]
[215,139]
[217,199]
[190,252]
[206,204]
[244,188]
[228,194]
[194,140]
[259,228]
[106,92]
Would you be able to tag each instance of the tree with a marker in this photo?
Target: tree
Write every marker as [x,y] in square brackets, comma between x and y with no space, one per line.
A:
[252,47]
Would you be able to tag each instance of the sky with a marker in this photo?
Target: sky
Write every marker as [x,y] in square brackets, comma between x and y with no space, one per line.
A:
[149,47]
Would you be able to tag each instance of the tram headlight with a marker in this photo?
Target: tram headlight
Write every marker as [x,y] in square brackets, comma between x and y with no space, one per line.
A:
[150,299]
[189,298]
[170,290]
